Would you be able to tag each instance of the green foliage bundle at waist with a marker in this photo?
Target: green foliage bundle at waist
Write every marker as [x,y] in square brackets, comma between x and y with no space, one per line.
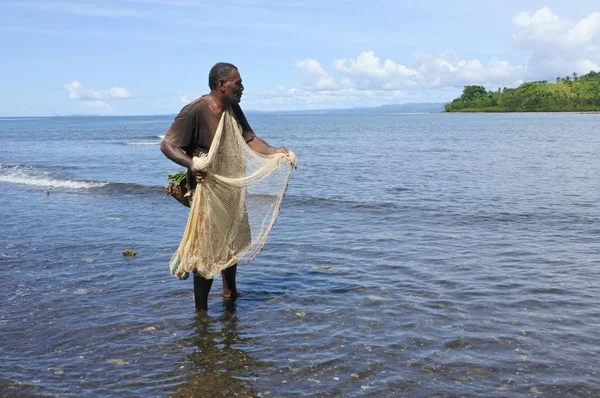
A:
[177,178]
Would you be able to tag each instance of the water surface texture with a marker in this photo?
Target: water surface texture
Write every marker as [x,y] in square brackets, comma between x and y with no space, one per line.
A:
[415,255]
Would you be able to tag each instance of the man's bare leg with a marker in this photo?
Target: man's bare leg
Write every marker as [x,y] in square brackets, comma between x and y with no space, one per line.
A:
[201,289]
[229,287]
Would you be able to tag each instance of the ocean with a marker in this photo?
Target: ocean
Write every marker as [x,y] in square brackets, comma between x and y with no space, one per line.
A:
[415,255]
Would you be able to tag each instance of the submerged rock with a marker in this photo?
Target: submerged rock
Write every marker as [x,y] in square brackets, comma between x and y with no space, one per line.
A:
[117,362]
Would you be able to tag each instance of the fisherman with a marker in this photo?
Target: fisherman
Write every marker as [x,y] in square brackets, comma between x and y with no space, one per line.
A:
[191,134]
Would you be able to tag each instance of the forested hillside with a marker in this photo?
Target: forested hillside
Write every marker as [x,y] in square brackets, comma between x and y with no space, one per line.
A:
[567,94]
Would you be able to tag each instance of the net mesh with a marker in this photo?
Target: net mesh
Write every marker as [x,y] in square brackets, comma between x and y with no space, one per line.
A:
[233,210]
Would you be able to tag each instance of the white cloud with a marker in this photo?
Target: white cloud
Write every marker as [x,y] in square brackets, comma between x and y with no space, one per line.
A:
[96,99]
[184,99]
[170,3]
[78,8]
[316,77]
[447,70]
[98,105]
[283,98]
[368,81]
[119,92]
[367,73]
[554,46]
[557,46]
[78,92]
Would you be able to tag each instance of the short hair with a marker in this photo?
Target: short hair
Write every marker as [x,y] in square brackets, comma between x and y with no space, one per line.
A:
[220,71]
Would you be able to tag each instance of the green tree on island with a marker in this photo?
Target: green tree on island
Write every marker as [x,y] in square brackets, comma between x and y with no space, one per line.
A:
[568,94]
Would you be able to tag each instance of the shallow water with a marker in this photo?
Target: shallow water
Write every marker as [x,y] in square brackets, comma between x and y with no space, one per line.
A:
[415,255]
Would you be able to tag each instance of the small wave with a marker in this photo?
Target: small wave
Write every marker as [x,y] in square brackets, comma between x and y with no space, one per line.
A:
[123,188]
[142,143]
[339,204]
[154,139]
[32,176]
[399,189]
[38,177]
[19,119]
[411,113]
[150,137]
[50,182]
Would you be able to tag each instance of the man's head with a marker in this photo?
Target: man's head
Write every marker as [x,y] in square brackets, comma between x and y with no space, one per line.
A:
[224,79]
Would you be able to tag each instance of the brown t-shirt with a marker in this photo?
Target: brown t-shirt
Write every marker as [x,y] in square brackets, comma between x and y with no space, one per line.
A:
[195,126]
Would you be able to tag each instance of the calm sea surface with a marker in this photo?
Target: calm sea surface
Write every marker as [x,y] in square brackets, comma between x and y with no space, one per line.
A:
[415,255]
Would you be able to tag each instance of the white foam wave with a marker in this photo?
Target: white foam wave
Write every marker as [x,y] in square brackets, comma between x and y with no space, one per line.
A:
[161,137]
[14,119]
[24,176]
[141,143]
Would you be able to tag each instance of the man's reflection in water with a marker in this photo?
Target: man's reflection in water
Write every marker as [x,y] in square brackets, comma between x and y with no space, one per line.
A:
[221,367]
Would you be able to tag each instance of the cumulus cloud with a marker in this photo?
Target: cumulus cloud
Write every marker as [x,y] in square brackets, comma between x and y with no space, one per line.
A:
[293,98]
[543,27]
[557,46]
[98,105]
[79,8]
[184,99]
[316,77]
[552,46]
[95,99]
[77,91]
[448,70]
[367,80]
[367,72]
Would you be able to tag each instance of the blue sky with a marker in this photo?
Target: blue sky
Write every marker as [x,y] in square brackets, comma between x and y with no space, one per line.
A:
[136,57]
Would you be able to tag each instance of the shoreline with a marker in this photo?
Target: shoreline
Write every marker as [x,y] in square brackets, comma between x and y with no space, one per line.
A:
[345,111]
[525,112]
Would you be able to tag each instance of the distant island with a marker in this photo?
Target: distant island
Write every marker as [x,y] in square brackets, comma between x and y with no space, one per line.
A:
[421,107]
[568,94]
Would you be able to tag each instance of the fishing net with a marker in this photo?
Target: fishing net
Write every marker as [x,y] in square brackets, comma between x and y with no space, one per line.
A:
[233,210]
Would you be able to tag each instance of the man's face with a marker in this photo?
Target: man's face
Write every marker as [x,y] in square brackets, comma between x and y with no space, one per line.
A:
[233,87]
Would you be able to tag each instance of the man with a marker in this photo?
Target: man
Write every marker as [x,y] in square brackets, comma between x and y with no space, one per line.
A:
[192,133]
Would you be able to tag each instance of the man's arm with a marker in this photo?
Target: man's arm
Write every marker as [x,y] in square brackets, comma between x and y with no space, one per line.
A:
[179,136]
[176,154]
[260,146]
[255,143]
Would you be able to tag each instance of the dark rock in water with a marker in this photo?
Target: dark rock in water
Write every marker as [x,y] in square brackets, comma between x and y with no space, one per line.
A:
[129,253]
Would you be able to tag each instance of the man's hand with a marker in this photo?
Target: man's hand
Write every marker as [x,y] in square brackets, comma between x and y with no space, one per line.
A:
[260,146]
[281,150]
[199,174]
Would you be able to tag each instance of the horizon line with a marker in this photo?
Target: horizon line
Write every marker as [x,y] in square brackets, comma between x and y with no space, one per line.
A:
[245,111]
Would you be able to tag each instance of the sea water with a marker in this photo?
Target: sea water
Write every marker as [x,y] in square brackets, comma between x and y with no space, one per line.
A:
[415,255]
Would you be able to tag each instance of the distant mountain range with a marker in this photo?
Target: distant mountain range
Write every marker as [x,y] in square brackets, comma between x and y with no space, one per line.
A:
[423,107]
